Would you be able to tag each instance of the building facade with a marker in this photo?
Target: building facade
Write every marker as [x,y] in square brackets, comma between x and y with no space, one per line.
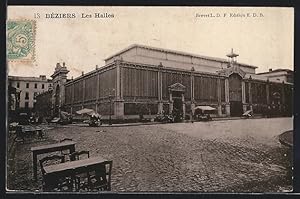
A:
[59,79]
[146,80]
[284,75]
[28,88]
[44,108]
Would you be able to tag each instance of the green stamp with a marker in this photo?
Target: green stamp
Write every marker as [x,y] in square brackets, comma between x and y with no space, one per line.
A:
[21,40]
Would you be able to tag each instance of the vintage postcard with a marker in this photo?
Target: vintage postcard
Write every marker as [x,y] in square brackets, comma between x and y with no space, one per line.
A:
[150,99]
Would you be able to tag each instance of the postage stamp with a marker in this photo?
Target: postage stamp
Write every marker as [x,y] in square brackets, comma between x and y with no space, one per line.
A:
[21,40]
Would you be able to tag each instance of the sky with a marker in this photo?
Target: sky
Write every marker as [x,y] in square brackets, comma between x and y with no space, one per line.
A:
[83,43]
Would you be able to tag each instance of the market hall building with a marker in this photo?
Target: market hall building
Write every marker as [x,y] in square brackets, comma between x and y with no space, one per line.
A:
[147,80]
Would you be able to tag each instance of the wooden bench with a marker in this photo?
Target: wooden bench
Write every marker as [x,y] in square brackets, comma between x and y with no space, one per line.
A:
[59,171]
[67,145]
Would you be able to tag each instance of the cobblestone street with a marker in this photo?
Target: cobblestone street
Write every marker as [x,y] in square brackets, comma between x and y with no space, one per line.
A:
[217,156]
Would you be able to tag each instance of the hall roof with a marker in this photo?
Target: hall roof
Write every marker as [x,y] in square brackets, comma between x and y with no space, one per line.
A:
[174,52]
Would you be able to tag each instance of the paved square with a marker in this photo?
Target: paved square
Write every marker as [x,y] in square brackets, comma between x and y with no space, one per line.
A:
[218,156]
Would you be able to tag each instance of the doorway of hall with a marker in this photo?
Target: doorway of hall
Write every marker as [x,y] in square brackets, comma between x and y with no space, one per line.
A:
[176,92]
[235,95]
[177,105]
[236,108]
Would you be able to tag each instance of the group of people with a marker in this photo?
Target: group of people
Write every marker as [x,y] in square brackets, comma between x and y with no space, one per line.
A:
[175,116]
[95,120]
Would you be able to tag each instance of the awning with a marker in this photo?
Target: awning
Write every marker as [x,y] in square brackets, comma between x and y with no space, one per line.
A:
[247,112]
[55,120]
[64,115]
[85,111]
[23,114]
[96,115]
[205,108]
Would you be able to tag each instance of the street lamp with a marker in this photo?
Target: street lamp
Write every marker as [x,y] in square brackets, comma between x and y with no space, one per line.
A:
[110,100]
[110,104]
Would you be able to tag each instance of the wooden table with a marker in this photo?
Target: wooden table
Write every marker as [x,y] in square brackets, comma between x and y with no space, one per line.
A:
[66,169]
[67,145]
[28,131]
[39,132]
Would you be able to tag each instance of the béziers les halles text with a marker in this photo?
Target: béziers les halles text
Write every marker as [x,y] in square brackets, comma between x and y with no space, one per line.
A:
[54,15]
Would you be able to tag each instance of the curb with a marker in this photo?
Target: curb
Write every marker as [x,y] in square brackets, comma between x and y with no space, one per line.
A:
[118,125]
[286,138]
[153,123]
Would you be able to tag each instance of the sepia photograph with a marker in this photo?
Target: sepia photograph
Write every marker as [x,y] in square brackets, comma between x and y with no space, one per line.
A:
[149,99]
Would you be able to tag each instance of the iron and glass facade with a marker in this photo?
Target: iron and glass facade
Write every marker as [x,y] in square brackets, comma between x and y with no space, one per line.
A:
[126,88]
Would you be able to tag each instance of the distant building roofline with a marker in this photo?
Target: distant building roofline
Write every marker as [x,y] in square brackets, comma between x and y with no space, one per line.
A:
[276,70]
[256,77]
[41,78]
[174,52]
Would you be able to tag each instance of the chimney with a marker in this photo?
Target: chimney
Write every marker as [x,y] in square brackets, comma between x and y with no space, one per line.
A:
[96,67]
[57,65]
[270,70]
[64,64]
[82,73]
[43,77]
